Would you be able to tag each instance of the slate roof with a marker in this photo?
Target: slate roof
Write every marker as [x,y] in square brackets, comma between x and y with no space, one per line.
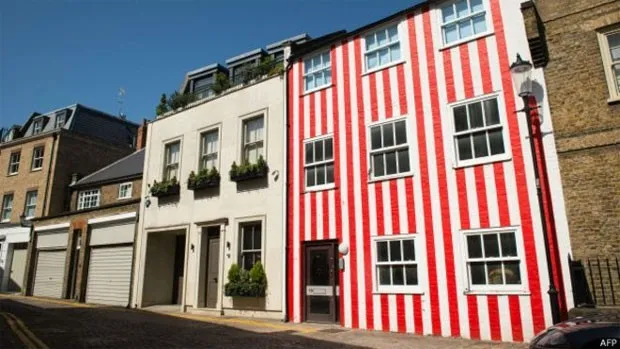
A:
[128,167]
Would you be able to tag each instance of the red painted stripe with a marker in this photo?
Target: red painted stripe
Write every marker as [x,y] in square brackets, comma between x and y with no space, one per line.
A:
[364,183]
[474,320]
[481,193]
[411,221]
[374,106]
[530,258]
[515,318]
[466,69]
[485,68]
[323,112]
[502,196]
[449,77]
[443,183]
[290,210]
[494,324]
[312,214]
[461,187]
[424,178]
[302,210]
[312,117]
[417,314]
[385,313]
[402,89]
[400,313]
[387,94]
[394,200]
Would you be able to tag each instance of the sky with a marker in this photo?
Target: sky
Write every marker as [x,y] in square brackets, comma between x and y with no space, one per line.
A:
[57,53]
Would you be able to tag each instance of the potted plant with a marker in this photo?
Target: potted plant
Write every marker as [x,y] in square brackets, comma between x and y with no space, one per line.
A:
[204,179]
[248,171]
[243,283]
[165,188]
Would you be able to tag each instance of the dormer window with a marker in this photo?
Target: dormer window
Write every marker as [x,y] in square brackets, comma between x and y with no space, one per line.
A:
[202,87]
[60,120]
[37,126]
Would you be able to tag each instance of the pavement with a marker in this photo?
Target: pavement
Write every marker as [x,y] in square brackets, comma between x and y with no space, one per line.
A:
[29,322]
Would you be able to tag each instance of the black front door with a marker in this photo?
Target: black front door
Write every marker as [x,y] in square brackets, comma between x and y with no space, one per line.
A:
[321,280]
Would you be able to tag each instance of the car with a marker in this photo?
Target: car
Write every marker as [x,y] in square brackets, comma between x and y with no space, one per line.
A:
[593,331]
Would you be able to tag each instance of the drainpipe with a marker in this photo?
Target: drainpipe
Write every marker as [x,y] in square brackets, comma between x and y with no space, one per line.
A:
[49,173]
[286,201]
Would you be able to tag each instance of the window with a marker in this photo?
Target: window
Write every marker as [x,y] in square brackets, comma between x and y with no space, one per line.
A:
[31,204]
[202,87]
[478,131]
[253,144]
[37,126]
[317,71]
[124,190]
[250,252]
[7,207]
[389,151]
[493,260]
[88,199]
[609,41]
[382,48]
[14,163]
[319,162]
[60,120]
[171,160]
[209,148]
[462,19]
[37,158]
[396,264]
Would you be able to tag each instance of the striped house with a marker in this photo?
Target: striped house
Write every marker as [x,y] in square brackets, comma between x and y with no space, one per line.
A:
[412,196]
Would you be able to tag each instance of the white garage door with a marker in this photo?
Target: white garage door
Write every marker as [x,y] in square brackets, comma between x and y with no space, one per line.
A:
[109,275]
[50,273]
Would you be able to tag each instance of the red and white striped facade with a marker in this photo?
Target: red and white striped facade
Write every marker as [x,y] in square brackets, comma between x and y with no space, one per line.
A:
[439,201]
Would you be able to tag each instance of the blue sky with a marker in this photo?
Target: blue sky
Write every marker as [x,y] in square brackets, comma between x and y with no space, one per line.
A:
[56,53]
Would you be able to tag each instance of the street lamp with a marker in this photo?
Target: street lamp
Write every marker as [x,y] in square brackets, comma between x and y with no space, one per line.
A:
[521,72]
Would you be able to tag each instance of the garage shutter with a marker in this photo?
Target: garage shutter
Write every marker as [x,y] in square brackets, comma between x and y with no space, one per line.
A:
[109,275]
[50,273]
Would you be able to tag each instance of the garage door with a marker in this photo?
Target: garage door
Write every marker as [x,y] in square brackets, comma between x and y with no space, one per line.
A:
[50,273]
[18,266]
[109,275]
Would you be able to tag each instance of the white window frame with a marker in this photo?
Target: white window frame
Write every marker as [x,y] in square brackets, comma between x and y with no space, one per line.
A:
[319,163]
[487,18]
[371,152]
[324,68]
[28,206]
[419,256]
[242,126]
[128,186]
[38,157]
[165,159]
[14,163]
[507,155]
[495,289]
[201,134]
[37,122]
[88,197]
[5,207]
[60,120]
[239,248]
[400,41]
[608,63]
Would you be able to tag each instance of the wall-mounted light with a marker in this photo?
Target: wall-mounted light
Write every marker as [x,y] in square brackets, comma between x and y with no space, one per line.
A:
[343,248]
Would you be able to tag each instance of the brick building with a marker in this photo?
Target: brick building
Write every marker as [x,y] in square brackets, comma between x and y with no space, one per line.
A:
[578,44]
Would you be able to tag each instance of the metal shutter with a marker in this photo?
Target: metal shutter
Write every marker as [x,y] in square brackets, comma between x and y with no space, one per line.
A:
[50,273]
[109,275]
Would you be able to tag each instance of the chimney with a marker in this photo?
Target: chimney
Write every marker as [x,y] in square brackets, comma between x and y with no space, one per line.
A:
[141,137]
[74,178]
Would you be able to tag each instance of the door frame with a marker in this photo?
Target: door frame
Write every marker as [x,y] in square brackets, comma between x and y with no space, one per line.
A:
[209,237]
[335,307]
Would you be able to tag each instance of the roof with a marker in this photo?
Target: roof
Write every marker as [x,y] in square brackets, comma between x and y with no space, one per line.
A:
[245,55]
[207,68]
[301,37]
[128,167]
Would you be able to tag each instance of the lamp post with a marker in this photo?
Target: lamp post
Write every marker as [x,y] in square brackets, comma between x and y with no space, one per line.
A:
[521,77]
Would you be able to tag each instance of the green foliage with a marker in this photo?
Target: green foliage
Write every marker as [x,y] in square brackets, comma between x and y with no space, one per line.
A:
[204,178]
[221,83]
[242,283]
[165,187]
[234,273]
[175,101]
[162,107]
[248,171]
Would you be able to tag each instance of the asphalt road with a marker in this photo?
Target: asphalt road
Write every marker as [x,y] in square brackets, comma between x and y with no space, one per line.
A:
[61,326]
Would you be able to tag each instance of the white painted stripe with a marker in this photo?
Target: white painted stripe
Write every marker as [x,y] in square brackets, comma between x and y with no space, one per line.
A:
[496,78]
[474,66]
[491,190]
[379,87]
[457,73]
[307,217]
[331,197]
[504,318]
[387,209]
[472,198]
[483,317]
[402,206]
[306,116]
[318,112]
[527,322]
[409,324]
[393,313]
[330,110]
[320,230]
[118,217]
[376,300]
[394,92]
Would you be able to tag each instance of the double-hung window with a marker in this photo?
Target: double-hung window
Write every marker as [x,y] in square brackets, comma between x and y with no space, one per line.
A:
[14,163]
[37,126]
[7,207]
[396,264]
[478,132]
[462,19]
[88,199]
[493,261]
[31,204]
[251,247]
[171,160]
[382,48]
[124,190]
[37,158]
[609,41]
[389,150]
[253,139]
[317,71]
[209,149]
[319,164]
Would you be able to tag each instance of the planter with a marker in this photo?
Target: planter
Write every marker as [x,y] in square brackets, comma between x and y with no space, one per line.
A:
[204,184]
[169,191]
[240,177]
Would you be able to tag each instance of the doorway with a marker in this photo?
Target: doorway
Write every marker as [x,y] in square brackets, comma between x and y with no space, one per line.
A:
[164,268]
[179,268]
[213,265]
[321,281]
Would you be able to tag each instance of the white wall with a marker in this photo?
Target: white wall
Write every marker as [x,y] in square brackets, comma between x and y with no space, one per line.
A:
[266,97]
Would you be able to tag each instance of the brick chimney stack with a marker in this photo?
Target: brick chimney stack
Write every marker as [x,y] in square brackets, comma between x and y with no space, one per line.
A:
[141,137]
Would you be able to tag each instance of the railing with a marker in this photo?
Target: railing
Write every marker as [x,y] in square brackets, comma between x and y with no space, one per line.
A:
[596,281]
[263,68]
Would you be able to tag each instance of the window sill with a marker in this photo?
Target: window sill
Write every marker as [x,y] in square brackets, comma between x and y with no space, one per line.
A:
[36,169]
[390,177]
[389,65]
[496,293]
[316,89]
[465,41]
[613,100]
[483,161]
[125,198]
[12,174]
[399,290]
[319,188]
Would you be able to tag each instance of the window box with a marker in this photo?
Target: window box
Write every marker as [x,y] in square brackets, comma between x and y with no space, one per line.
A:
[243,283]
[204,179]
[248,172]
[165,188]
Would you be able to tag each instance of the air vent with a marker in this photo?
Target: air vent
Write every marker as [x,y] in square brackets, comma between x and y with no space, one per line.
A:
[538,51]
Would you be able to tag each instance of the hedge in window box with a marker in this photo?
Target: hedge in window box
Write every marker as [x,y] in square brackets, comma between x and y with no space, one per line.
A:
[243,283]
[247,171]
[204,179]
[165,188]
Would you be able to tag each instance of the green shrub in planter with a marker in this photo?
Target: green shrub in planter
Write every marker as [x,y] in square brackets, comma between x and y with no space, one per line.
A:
[243,283]
[247,171]
[204,179]
[165,188]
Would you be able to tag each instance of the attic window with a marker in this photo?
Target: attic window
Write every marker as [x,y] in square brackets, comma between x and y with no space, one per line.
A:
[37,126]
[60,120]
